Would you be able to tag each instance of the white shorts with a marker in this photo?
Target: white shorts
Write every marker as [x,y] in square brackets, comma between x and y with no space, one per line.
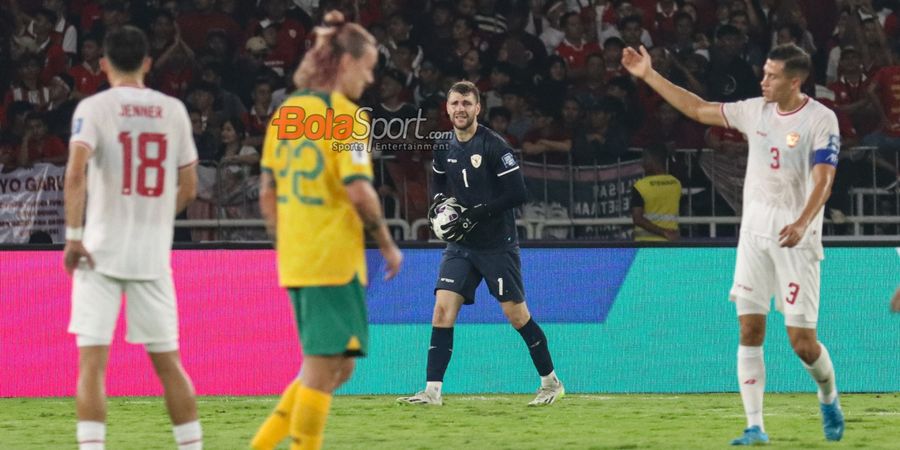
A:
[151,310]
[764,269]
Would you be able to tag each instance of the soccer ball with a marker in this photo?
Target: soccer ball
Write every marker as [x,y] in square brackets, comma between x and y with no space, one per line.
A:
[445,213]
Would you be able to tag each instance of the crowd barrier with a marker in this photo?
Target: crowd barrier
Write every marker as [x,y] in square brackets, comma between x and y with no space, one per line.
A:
[617,320]
[564,201]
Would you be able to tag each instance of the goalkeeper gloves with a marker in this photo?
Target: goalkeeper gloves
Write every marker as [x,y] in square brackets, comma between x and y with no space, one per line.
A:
[437,200]
[467,221]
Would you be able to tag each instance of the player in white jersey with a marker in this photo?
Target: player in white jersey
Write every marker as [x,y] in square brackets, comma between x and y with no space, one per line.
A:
[132,151]
[793,148]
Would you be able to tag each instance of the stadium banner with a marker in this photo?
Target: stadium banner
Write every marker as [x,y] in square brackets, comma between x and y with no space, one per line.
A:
[617,320]
[585,193]
[31,199]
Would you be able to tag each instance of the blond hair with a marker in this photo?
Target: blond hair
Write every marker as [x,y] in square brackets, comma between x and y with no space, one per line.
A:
[320,65]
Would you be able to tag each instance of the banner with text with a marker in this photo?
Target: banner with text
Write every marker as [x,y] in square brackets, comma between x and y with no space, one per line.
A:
[31,200]
[585,193]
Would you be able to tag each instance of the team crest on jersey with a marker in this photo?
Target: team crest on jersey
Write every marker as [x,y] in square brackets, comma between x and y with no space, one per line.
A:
[476,161]
[793,139]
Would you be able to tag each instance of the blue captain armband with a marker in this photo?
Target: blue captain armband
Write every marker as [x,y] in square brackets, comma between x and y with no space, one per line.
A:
[826,156]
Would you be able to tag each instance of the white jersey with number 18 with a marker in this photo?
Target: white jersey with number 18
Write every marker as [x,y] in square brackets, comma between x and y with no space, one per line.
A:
[783,148]
[139,139]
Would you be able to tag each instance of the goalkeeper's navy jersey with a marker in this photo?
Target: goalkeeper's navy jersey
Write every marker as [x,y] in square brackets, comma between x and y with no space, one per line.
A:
[473,171]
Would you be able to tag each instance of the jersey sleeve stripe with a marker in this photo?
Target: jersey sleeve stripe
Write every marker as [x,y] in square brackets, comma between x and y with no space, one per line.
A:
[508,171]
[724,117]
[352,178]
[188,164]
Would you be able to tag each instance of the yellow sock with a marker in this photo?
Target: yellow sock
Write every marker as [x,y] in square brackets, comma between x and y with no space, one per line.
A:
[275,428]
[308,418]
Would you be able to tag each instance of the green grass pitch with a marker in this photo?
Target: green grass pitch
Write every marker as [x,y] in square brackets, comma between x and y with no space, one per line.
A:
[476,422]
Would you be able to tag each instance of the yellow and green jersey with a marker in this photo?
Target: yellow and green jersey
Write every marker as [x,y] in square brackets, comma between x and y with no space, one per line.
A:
[320,238]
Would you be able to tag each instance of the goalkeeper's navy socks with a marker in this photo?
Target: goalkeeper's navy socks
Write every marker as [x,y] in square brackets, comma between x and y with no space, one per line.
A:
[537,345]
[439,353]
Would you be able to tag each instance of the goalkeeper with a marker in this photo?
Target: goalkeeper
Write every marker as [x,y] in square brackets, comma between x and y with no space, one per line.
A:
[479,176]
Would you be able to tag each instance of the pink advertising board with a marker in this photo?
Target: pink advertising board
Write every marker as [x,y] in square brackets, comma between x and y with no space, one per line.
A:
[237,331]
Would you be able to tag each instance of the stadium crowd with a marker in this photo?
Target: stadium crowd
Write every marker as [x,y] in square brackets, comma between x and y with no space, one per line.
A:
[549,72]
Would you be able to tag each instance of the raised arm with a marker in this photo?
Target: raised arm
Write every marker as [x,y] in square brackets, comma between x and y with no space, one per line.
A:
[638,64]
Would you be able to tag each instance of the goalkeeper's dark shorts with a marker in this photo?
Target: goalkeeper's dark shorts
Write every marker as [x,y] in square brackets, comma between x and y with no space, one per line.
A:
[463,269]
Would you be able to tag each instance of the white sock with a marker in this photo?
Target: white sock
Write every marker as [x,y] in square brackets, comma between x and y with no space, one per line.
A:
[91,435]
[434,387]
[752,378]
[822,372]
[188,436]
[549,380]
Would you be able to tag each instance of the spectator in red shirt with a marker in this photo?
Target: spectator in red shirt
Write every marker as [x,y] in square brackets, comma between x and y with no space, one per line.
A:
[87,75]
[612,58]
[88,10]
[662,28]
[574,49]
[547,142]
[39,146]
[63,26]
[289,33]
[49,45]
[28,87]
[195,25]
[174,69]
[851,92]
[884,90]
[162,33]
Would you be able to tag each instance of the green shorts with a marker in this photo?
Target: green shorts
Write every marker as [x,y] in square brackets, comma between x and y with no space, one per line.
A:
[332,320]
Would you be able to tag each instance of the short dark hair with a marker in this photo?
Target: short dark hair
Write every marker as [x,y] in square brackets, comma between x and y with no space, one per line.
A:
[126,48]
[657,153]
[565,18]
[631,19]
[465,88]
[794,30]
[48,14]
[614,41]
[796,61]
[727,30]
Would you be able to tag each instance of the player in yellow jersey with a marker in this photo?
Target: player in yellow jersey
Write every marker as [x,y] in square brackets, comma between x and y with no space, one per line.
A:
[317,199]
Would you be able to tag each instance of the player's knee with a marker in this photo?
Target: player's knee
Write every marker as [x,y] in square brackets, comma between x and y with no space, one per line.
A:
[442,317]
[805,348]
[344,376]
[752,334]
[517,320]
